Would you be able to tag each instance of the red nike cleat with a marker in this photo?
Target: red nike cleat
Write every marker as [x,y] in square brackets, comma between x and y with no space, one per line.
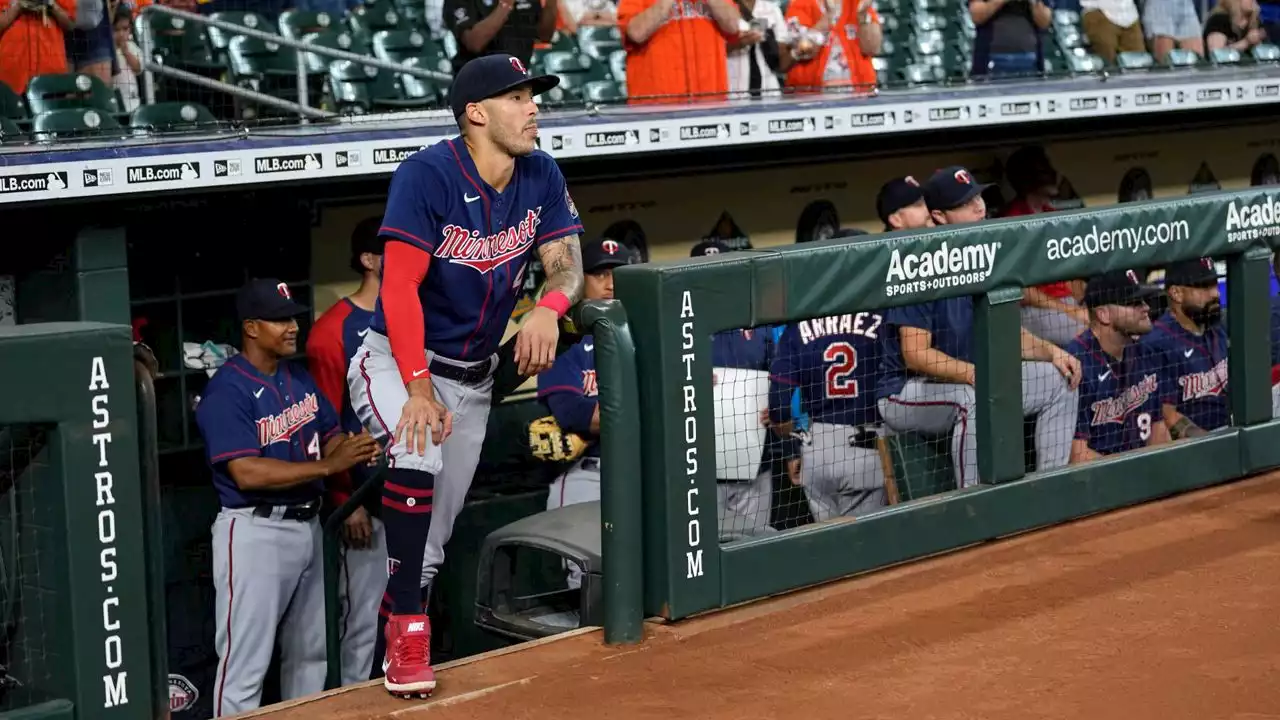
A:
[407,664]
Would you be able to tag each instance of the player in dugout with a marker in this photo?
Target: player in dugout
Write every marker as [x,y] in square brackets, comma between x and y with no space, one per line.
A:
[1190,348]
[928,381]
[1120,393]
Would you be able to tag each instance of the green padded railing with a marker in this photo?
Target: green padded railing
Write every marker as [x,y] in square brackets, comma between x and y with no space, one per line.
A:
[676,307]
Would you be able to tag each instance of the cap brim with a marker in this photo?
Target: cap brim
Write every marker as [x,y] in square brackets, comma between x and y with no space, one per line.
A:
[1207,281]
[284,312]
[538,84]
[606,265]
[974,192]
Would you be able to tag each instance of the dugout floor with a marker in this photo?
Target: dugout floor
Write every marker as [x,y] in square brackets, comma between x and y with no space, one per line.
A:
[1169,610]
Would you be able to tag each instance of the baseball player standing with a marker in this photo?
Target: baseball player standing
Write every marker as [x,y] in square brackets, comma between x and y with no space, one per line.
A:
[332,342]
[1190,347]
[928,378]
[1120,390]
[271,438]
[834,362]
[463,218]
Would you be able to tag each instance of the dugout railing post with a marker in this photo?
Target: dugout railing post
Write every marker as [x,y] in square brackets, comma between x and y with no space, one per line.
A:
[675,307]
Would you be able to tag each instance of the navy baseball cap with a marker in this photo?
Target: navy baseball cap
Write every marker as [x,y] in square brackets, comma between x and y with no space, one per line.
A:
[1199,272]
[365,239]
[267,299]
[604,253]
[951,187]
[709,247]
[1118,287]
[490,76]
[897,194]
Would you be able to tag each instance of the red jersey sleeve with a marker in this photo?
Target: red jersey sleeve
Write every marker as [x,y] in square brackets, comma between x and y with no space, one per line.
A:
[326,358]
[404,268]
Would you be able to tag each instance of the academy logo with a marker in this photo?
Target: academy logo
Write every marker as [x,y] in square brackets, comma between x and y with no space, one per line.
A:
[32,183]
[287,163]
[946,267]
[394,155]
[1250,222]
[226,168]
[704,132]
[612,139]
[140,174]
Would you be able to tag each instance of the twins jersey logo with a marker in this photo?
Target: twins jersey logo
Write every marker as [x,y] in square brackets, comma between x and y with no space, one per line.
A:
[589,386]
[281,427]
[485,254]
[1210,383]
[1116,409]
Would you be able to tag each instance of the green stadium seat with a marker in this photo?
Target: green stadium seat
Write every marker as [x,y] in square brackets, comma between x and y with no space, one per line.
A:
[450,44]
[553,97]
[1134,61]
[884,70]
[72,124]
[11,105]
[69,90]
[170,116]
[887,48]
[885,7]
[1066,18]
[1225,56]
[922,74]
[177,43]
[270,68]
[369,19]
[564,42]
[359,89]
[9,131]
[927,42]
[572,69]
[618,65]
[418,92]
[335,39]
[1180,58]
[399,46]
[926,22]
[597,41]
[933,6]
[1266,52]
[1084,64]
[602,91]
[297,24]
[921,465]
[220,40]
[891,26]
[1070,37]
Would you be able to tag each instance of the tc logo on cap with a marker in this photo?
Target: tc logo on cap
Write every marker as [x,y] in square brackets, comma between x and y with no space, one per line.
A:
[1207,263]
[1132,276]
[911,181]
[713,250]
[519,66]
[963,176]
[610,246]
[284,291]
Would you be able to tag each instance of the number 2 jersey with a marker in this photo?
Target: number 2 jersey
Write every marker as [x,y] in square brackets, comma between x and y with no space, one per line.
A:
[244,413]
[1119,399]
[834,363]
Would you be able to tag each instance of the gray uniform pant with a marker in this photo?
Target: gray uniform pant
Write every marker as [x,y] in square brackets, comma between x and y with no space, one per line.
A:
[1051,325]
[839,478]
[935,408]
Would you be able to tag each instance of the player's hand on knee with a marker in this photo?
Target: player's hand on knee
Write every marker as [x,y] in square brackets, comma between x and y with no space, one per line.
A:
[536,341]
[1069,366]
[423,417]
[357,529]
[793,470]
[353,450]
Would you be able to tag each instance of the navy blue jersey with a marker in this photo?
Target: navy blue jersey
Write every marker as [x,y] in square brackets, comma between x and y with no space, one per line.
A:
[480,240]
[834,363]
[1193,371]
[747,349]
[1275,330]
[950,321]
[244,413]
[569,389]
[1119,399]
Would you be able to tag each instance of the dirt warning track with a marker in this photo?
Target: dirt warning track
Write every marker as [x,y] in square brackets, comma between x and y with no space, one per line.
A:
[1170,610]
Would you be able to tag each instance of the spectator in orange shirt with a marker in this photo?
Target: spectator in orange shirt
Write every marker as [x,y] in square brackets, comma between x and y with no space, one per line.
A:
[31,39]
[677,47]
[852,34]
[1052,311]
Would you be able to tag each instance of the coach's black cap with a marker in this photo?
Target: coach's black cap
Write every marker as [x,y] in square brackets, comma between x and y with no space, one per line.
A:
[897,194]
[709,247]
[365,239]
[1199,272]
[267,299]
[1118,287]
[492,75]
[951,187]
[604,253]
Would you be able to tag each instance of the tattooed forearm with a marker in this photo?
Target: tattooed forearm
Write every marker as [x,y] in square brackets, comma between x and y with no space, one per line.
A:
[562,261]
[1184,428]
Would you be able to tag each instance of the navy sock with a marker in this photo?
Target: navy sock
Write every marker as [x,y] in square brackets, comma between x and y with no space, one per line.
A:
[406,514]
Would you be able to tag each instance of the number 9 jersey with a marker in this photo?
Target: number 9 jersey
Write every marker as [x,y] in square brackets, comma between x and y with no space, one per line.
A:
[1119,400]
[834,361]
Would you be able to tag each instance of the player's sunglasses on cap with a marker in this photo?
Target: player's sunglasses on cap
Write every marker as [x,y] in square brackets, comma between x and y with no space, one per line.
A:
[267,299]
[493,75]
[895,195]
[1198,273]
[1118,287]
[951,187]
[604,253]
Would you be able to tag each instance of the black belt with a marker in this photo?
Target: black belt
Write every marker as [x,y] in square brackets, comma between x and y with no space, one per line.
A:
[473,375]
[301,513]
[863,436]
[590,463]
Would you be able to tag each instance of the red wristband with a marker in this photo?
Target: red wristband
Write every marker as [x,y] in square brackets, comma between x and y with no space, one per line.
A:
[557,301]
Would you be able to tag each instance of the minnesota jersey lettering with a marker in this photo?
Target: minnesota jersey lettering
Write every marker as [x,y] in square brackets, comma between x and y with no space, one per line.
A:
[570,391]
[484,254]
[1194,371]
[282,426]
[1119,399]
[1116,409]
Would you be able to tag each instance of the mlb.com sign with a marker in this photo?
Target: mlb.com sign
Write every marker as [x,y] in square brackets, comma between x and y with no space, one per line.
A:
[1252,221]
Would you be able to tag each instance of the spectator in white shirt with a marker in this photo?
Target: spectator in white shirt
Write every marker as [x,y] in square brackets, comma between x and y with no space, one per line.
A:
[127,58]
[761,51]
[1112,27]
[1172,22]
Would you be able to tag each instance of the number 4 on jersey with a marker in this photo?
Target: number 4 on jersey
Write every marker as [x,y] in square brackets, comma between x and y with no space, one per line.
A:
[841,361]
[313,447]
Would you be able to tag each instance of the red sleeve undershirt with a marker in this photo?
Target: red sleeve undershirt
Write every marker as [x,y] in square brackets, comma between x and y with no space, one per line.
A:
[403,270]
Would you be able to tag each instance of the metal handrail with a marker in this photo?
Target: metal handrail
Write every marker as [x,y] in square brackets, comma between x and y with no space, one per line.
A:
[247,94]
